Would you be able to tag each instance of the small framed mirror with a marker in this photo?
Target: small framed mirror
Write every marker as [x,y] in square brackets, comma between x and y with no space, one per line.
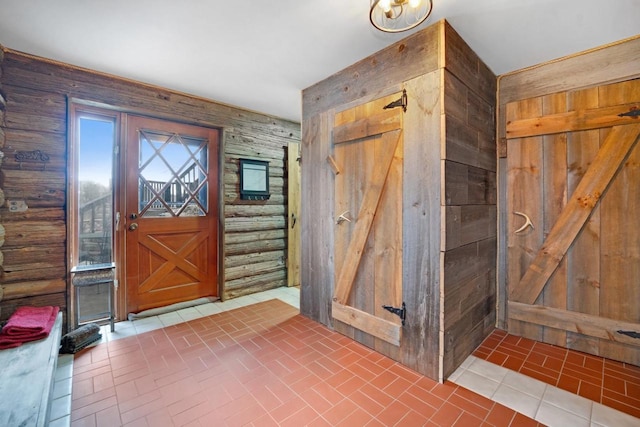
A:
[254,179]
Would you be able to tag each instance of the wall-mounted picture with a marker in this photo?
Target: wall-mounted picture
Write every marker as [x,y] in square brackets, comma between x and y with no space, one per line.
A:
[254,179]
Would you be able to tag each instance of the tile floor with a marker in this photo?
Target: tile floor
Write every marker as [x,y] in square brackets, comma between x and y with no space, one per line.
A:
[267,365]
[601,380]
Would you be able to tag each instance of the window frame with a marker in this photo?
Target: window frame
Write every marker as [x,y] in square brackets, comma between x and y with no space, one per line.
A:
[76,111]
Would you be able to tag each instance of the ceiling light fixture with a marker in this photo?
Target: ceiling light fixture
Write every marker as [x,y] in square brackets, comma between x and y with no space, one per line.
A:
[395,16]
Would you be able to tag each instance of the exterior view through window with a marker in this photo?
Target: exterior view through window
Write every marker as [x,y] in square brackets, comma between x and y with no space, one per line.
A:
[173,175]
[93,149]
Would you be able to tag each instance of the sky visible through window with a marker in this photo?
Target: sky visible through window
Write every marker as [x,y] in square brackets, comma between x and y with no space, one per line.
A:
[95,161]
[96,151]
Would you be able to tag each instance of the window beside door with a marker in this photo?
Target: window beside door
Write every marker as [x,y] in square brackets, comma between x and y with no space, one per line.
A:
[91,214]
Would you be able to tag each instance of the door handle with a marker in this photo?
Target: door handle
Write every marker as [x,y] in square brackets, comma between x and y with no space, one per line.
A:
[527,223]
[133,226]
[343,217]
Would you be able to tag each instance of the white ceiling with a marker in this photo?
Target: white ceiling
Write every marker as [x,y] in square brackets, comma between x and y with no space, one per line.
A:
[259,54]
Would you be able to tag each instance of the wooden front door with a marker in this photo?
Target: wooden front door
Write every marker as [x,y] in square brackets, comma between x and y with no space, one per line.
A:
[367,162]
[170,213]
[573,206]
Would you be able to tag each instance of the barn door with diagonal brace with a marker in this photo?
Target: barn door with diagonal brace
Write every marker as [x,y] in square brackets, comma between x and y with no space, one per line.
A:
[367,162]
[573,230]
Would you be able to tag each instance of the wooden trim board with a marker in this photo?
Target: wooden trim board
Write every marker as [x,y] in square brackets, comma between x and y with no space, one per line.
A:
[571,121]
[379,328]
[585,324]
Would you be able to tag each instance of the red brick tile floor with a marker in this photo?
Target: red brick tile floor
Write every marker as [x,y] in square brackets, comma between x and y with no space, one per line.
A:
[263,365]
[601,380]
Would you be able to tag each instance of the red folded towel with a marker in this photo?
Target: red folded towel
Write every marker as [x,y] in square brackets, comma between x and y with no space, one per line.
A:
[28,324]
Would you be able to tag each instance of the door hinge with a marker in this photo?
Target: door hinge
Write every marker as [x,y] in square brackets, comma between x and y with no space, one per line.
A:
[400,102]
[632,334]
[400,312]
[634,113]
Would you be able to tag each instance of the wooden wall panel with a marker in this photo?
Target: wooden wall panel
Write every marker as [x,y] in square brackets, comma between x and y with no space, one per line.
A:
[422,223]
[25,140]
[554,178]
[469,203]
[583,281]
[526,184]
[588,208]
[316,289]
[35,110]
[448,200]
[468,185]
[620,236]
[411,57]
[579,71]
[462,62]
[37,92]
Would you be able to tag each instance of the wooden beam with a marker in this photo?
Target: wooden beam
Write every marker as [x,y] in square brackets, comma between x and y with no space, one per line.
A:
[32,288]
[365,218]
[376,326]
[571,321]
[595,181]
[580,70]
[386,121]
[595,118]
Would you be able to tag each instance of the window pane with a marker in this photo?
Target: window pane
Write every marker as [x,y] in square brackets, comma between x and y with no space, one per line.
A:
[95,191]
[172,178]
[93,302]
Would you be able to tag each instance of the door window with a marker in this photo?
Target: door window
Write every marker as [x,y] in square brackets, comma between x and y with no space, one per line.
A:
[172,175]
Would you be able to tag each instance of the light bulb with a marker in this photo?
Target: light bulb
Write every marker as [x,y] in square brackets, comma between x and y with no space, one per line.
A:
[385,5]
[414,3]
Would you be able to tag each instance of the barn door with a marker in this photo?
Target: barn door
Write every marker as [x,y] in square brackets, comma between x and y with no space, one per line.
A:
[574,219]
[294,233]
[170,213]
[367,162]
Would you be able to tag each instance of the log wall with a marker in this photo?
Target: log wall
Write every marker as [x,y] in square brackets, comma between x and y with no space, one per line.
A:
[34,97]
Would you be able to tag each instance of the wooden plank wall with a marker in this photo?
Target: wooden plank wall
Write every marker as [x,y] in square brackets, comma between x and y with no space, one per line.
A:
[468,253]
[370,79]
[590,179]
[586,73]
[448,200]
[34,93]
[362,81]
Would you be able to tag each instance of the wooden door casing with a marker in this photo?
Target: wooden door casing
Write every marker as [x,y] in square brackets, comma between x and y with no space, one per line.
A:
[169,259]
[573,168]
[367,162]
